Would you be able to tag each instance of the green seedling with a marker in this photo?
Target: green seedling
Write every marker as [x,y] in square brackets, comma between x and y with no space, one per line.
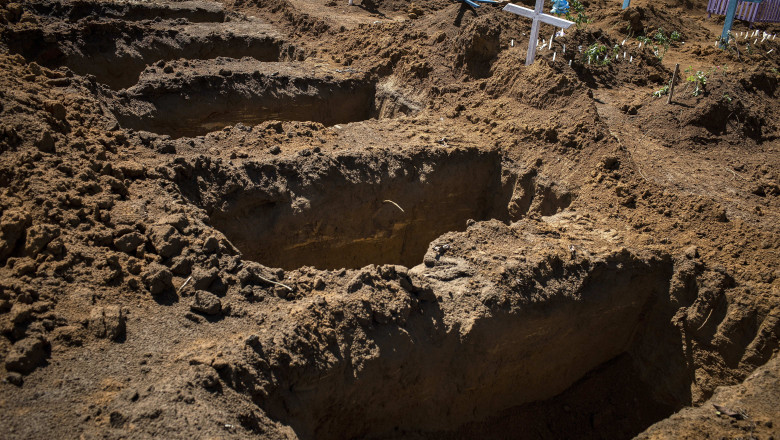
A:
[576,13]
[597,54]
[664,41]
[661,92]
[699,79]
[660,37]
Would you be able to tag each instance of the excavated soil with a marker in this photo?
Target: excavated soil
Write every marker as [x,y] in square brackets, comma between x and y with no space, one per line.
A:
[299,219]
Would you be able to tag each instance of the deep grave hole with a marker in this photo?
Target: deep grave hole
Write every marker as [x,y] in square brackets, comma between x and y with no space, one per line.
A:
[115,52]
[589,349]
[603,359]
[194,11]
[357,209]
[198,97]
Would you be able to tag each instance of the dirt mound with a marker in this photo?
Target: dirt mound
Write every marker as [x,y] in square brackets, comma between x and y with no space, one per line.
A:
[553,87]
[300,219]
[722,108]
[477,45]
[648,20]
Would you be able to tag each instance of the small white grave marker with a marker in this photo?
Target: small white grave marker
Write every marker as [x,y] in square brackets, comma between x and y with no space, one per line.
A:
[537,16]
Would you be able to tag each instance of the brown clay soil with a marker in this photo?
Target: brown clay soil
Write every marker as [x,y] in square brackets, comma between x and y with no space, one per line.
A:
[299,219]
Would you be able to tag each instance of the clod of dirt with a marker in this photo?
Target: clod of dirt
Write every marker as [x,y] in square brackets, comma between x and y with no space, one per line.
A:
[108,322]
[27,354]
[206,303]
[157,278]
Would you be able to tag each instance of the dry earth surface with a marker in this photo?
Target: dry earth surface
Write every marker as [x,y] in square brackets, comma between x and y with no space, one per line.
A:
[299,219]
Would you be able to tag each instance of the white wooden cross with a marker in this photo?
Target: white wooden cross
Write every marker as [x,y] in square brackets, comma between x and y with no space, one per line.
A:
[536,15]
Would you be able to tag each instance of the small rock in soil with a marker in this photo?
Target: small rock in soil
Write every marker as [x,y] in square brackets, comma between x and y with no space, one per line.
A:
[157,278]
[107,322]
[38,237]
[45,142]
[211,244]
[206,303]
[27,355]
[202,278]
[129,242]
[15,379]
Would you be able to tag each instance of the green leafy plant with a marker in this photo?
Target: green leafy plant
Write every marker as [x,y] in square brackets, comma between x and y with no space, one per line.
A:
[576,13]
[660,41]
[597,54]
[660,37]
[726,97]
[699,79]
[664,41]
[661,92]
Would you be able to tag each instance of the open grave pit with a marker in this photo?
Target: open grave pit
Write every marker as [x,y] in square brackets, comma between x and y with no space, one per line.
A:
[498,319]
[194,97]
[116,50]
[191,10]
[351,209]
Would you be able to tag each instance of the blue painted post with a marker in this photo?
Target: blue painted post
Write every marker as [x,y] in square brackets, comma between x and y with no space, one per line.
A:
[626,3]
[730,12]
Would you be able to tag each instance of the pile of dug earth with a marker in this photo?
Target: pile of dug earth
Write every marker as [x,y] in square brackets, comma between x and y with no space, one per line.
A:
[299,219]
